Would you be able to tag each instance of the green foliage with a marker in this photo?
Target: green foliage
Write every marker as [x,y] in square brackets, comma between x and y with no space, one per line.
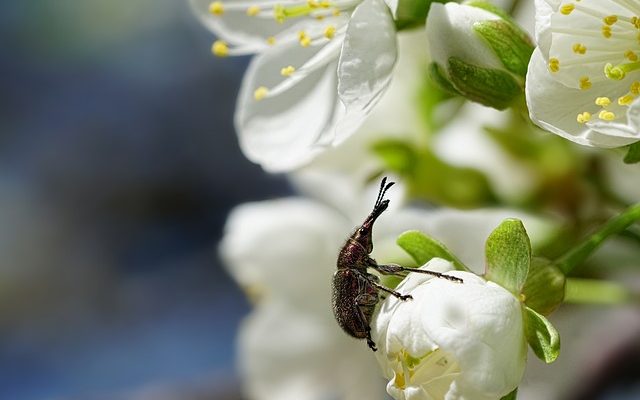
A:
[491,87]
[542,336]
[633,154]
[544,289]
[423,248]
[508,254]
[413,13]
[511,396]
[432,179]
[507,43]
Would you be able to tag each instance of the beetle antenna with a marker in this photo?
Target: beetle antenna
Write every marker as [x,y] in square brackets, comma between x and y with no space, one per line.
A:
[384,186]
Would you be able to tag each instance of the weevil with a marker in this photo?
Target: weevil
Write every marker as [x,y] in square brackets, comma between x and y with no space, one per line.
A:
[356,292]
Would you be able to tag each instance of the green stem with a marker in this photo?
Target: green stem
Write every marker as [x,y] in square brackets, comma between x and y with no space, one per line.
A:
[591,291]
[580,253]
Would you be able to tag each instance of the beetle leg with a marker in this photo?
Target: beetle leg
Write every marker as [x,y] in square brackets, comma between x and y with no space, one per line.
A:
[400,296]
[366,299]
[398,270]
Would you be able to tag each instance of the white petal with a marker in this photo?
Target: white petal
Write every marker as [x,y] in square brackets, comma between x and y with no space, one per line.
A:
[368,56]
[555,107]
[286,131]
[239,29]
[544,10]
[267,242]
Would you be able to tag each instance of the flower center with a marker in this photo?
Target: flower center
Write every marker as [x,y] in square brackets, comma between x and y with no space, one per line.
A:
[320,21]
[596,41]
[434,372]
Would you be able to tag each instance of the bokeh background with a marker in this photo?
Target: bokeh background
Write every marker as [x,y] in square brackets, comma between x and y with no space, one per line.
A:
[118,165]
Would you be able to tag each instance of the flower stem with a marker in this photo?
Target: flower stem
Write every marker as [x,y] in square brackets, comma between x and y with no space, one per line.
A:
[592,291]
[580,253]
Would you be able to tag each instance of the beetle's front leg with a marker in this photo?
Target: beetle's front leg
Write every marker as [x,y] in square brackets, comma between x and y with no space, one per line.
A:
[400,296]
[398,270]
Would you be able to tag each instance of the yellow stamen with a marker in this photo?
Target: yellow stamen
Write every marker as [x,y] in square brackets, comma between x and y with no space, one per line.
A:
[287,71]
[625,100]
[606,31]
[216,8]
[635,88]
[271,40]
[220,48]
[606,115]
[610,20]
[554,65]
[603,101]
[631,55]
[579,48]
[584,117]
[585,83]
[260,93]
[330,32]
[305,40]
[567,9]
[253,11]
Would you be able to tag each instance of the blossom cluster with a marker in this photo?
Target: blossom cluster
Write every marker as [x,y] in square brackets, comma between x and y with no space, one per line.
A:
[459,103]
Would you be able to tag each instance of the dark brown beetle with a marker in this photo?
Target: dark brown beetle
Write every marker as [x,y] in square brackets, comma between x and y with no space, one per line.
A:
[355,291]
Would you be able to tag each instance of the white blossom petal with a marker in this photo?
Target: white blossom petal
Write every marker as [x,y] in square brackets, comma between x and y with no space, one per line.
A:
[366,63]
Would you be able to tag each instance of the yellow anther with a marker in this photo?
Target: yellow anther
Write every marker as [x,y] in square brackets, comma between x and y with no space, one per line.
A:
[635,88]
[610,20]
[216,8]
[554,65]
[252,11]
[287,71]
[313,3]
[220,48]
[606,31]
[585,83]
[625,100]
[603,101]
[606,115]
[579,48]
[260,93]
[279,13]
[330,32]
[631,55]
[305,40]
[335,12]
[583,117]
[325,3]
[567,8]
[271,40]
[635,21]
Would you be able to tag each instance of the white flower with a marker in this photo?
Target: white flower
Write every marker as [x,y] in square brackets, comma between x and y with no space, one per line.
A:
[322,65]
[583,82]
[452,341]
[283,253]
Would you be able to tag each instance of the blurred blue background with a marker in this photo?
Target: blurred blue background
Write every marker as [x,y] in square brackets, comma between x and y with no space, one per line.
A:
[118,165]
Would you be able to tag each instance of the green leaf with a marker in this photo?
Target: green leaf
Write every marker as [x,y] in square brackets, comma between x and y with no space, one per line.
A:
[633,154]
[431,179]
[511,396]
[507,43]
[508,254]
[423,248]
[542,336]
[544,289]
[491,87]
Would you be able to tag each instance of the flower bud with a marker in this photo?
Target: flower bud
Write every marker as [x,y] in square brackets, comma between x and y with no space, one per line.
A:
[480,51]
[452,340]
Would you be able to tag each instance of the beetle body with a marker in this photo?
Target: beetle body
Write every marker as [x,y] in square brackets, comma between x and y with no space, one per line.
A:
[356,292]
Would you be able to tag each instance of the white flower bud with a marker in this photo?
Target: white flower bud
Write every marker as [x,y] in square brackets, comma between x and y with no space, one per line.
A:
[452,340]
[479,51]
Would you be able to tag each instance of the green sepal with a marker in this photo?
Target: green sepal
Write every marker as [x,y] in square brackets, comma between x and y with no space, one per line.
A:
[507,43]
[544,289]
[511,396]
[423,248]
[508,255]
[542,336]
[633,154]
[491,87]
[439,77]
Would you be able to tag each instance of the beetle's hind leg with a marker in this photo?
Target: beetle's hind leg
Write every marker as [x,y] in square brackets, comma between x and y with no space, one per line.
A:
[398,270]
